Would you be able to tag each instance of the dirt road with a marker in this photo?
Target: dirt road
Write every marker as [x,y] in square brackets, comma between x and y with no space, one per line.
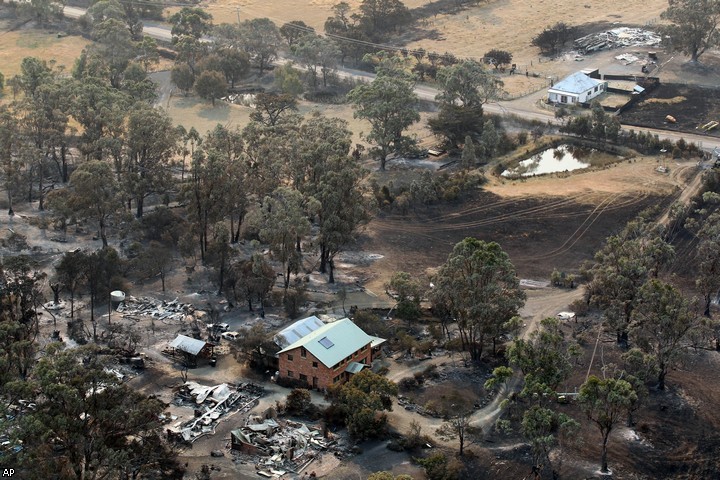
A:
[541,303]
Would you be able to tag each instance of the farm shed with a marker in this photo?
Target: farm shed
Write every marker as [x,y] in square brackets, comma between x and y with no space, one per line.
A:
[191,348]
[577,88]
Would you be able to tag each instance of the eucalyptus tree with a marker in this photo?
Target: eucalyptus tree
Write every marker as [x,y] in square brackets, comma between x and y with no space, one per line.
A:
[191,21]
[708,254]
[260,38]
[662,325]
[478,286]
[622,266]
[100,427]
[95,195]
[389,104]
[100,110]
[345,206]
[10,166]
[317,53]
[152,142]
[693,26]
[229,144]
[283,222]
[605,403]
[215,187]
[464,89]
[44,123]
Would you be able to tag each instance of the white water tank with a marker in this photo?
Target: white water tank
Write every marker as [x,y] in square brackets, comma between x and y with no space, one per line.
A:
[117,296]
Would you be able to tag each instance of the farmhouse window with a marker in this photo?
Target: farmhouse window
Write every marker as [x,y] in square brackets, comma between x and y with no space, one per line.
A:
[336,379]
[315,364]
[303,377]
[563,99]
[303,352]
[290,357]
[290,373]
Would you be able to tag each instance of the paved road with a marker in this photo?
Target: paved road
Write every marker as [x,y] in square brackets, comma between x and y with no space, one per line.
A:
[154,30]
[516,107]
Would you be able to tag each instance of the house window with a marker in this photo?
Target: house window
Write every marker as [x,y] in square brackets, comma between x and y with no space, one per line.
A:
[315,364]
[596,89]
[290,373]
[303,352]
[290,357]
[336,379]
[563,99]
[303,377]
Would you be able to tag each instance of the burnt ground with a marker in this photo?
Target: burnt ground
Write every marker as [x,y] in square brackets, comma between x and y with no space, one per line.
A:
[675,432]
[691,105]
[538,233]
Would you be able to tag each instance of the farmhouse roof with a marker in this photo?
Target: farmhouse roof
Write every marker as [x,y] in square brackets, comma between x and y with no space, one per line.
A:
[576,83]
[297,330]
[187,344]
[333,341]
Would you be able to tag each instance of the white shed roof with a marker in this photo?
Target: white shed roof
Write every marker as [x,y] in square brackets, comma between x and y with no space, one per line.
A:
[188,345]
[576,83]
[333,341]
[297,330]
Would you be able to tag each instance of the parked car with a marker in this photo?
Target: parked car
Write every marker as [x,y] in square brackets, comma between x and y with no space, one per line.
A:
[218,327]
[230,335]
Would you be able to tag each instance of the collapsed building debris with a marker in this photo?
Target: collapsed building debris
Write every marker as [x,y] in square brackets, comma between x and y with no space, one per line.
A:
[135,308]
[280,446]
[210,404]
[617,38]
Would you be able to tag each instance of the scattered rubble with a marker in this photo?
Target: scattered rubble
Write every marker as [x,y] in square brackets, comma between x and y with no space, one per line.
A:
[245,99]
[627,58]
[617,38]
[135,308]
[279,447]
[210,405]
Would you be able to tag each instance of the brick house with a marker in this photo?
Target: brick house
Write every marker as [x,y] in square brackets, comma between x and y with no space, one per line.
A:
[328,355]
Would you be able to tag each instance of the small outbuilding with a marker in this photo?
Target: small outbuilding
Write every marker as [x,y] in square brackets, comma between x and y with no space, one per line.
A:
[191,349]
[575,89]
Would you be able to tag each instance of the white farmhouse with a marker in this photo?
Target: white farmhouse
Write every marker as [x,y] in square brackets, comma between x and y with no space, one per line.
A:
[577,88]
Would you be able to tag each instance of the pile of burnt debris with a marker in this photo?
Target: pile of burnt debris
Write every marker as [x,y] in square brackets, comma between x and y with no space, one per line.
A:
[617,38]
[138,308]
[210,404]
[279,447]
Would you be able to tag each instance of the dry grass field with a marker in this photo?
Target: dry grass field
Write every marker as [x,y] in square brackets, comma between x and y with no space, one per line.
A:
[32,42]
[504,24]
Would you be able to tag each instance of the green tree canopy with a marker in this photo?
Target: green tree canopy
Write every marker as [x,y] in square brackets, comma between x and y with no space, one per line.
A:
[479,288]
[362,399]
[87,424]
[211,85]
[464,89]
[95,194]
[622,266]
[693,26]
[605,402]
[389,104]
[662,324]
[192,21]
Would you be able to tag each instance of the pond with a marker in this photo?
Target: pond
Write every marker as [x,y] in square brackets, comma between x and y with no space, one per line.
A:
[563,158]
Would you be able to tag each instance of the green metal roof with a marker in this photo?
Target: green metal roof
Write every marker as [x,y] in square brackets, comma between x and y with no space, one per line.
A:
[332,342]
[354,367]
